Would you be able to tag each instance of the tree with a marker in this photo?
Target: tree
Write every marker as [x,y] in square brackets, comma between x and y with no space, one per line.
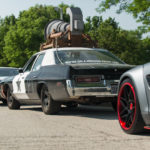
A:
[23,39]
[138,8]
[4,28]
[25,36]
[127,45]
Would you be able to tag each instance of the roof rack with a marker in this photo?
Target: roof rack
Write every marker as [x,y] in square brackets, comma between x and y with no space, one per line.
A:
[61,34]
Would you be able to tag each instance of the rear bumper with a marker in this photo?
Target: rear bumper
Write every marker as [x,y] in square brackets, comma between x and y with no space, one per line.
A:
[105,91]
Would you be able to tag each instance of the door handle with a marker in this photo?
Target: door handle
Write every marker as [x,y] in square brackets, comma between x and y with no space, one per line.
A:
[34,76]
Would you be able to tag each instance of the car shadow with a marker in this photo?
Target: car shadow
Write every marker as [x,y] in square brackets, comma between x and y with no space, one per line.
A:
[146,132]
[98,112]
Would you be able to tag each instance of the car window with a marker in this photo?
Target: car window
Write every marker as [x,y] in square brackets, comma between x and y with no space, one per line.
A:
[8,72]
[85,56]
[38,62]
[29,66]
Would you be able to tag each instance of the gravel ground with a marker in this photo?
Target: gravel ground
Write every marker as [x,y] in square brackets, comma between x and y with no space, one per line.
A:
[83,128]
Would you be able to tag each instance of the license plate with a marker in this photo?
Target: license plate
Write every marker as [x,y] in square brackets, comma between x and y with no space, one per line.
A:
[114,88]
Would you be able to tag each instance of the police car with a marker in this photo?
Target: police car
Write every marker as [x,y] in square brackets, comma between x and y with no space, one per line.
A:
[65,76]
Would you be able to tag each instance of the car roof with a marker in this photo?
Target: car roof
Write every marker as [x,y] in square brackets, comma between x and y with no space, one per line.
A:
[73,48]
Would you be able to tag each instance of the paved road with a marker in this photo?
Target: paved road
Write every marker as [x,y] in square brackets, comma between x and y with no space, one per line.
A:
[84,128]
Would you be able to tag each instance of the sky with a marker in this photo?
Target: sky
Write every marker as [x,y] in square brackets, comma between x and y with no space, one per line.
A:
[126,21]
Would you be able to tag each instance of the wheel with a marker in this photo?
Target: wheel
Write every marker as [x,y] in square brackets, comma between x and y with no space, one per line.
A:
[72,105]
[128,108]
[11,101]
[49,106]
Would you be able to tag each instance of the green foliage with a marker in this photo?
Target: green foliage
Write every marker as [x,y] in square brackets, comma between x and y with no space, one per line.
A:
[127,45]
[21,37]
[140,9]
[24,37]
[4,28]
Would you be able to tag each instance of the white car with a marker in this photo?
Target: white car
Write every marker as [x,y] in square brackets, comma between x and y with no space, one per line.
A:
[66,76]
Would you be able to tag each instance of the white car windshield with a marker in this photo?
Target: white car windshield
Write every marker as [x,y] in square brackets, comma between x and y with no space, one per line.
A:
[85,56]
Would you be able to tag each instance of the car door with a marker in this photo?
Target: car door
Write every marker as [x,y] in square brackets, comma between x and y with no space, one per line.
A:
[146,74]
[19,87]
[32,78]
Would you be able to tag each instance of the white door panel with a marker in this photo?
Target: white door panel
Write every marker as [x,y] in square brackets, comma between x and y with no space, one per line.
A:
[19,88]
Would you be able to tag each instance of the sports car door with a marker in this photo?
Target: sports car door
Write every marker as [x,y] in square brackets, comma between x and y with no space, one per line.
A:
[146,73]
[19,88]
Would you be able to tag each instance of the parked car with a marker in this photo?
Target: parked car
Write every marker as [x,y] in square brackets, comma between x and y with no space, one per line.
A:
[66,76]
[134,99]
[6,72]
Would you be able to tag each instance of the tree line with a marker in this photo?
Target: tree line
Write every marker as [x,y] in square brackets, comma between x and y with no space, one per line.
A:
[20,37]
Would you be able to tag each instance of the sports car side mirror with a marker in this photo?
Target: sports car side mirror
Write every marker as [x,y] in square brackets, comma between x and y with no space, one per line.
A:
[20,70]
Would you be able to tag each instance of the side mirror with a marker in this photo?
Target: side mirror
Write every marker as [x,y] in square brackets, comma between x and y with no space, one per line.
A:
[20,70]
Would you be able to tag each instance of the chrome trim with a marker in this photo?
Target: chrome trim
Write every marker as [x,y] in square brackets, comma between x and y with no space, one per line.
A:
[104,91]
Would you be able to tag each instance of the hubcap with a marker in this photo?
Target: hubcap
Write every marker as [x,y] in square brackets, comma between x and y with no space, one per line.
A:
[126,106]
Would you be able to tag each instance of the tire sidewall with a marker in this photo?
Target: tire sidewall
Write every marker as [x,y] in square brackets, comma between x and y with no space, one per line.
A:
[8,96]
[45,110]
[135,127]
[14,104]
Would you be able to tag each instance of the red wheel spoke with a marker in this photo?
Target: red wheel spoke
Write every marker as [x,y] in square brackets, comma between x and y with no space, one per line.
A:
[122,112]
[123,99]
[122,104]
[124,116]
[128,119]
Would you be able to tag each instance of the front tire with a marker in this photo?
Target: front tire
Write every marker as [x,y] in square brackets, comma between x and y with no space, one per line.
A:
[49,106]
[11,101]
[128,108]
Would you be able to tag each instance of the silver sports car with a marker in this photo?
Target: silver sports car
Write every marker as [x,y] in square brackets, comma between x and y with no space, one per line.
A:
[134,99]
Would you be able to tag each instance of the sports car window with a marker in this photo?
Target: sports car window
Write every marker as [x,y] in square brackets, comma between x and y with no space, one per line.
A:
[38,62]
[85,56]
[31,62]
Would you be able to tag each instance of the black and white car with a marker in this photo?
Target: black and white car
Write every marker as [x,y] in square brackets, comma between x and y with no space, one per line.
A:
[6,72]
[68,76]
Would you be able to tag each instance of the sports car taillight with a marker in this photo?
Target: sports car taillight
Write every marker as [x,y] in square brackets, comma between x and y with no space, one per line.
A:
[87,79]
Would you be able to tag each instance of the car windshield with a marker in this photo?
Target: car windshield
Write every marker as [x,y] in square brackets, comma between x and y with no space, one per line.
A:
[8,72]
[86,56]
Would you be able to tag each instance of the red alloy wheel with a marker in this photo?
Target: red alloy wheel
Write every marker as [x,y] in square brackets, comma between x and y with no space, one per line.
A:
[126,106]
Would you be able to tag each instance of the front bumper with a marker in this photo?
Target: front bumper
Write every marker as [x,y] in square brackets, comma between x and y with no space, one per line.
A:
[101,91]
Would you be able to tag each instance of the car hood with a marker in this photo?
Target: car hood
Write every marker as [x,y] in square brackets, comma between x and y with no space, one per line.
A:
[6,79]
[3,78]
